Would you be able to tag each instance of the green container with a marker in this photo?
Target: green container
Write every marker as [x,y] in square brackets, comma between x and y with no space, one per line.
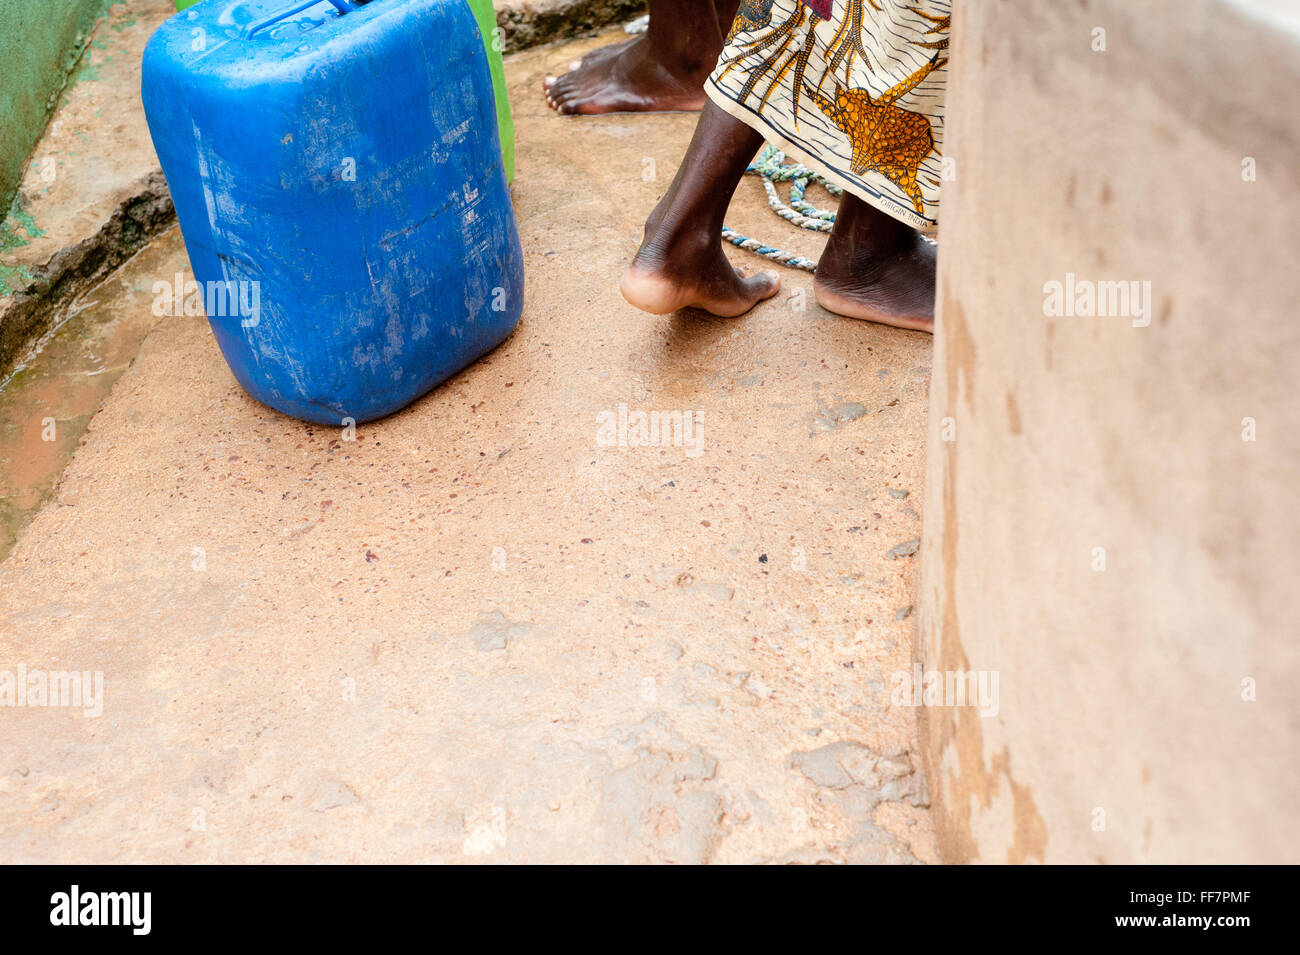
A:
[487,28]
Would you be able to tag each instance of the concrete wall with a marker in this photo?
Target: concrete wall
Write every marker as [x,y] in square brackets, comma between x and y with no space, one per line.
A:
[40,41]
[1125,729]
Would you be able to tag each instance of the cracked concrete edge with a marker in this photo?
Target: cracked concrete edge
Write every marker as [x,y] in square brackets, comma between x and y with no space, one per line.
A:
[527,23]
[29,314]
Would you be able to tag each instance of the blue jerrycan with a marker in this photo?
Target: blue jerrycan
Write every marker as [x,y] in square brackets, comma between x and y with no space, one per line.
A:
[338,180]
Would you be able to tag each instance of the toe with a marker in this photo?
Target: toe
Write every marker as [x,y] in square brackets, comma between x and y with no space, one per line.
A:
[606,98]
[562,86]
[763,285]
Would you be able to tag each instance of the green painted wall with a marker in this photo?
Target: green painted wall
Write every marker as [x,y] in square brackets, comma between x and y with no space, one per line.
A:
[40,41]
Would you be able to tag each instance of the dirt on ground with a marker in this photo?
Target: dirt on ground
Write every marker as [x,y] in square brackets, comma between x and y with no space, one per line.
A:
[475,630]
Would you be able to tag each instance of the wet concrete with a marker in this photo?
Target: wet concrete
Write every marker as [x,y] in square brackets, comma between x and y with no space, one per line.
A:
[47,401]
[476,630]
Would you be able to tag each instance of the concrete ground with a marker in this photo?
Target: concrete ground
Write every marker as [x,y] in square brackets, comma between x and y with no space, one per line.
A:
[475,632]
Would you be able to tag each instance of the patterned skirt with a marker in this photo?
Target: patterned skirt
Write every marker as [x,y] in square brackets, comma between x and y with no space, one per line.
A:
[854,89]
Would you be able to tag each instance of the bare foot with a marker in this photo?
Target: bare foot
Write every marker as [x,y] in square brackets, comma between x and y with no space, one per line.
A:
[681,263]
[877,269]
[625,78]
[895,289]
[688,269]
[662,69]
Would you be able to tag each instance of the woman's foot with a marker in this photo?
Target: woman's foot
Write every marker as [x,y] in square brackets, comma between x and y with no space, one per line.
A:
[877,269]
[627,80]
[681,263]
[690,270]
[662,69]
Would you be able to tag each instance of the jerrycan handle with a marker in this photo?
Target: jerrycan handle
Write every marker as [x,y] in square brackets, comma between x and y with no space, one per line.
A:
[343,6]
